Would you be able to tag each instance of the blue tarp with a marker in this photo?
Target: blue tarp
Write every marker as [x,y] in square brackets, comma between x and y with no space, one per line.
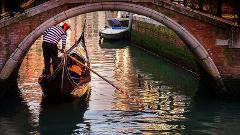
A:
[116,22]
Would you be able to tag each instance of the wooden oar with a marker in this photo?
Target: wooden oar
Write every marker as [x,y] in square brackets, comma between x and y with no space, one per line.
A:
[120,90]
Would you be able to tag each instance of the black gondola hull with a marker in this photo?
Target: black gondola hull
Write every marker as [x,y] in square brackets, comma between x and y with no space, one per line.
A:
[60,85]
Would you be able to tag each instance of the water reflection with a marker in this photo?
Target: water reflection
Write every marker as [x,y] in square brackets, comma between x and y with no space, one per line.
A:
[30,70]
[167,93]
[206,116]
[138,74]
[63,118]
[14,117]
[109,44]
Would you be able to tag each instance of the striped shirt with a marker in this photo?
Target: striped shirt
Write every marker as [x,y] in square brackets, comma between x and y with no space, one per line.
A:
[54,34]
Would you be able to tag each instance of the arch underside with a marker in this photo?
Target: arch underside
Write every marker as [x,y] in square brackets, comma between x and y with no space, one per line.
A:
[196,48]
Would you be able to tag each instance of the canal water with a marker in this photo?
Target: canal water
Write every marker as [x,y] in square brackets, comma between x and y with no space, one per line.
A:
[167,94]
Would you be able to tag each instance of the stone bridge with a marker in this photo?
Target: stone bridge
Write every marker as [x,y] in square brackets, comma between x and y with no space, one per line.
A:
[213,41]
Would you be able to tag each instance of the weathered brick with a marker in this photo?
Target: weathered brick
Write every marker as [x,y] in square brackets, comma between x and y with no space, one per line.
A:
[226,59]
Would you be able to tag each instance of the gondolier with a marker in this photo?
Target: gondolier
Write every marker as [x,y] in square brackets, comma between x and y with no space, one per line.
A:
[70,80]
[51,38]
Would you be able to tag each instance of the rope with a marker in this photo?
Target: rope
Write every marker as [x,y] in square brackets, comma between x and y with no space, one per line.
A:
[137,100]
[63,70]
[69,50]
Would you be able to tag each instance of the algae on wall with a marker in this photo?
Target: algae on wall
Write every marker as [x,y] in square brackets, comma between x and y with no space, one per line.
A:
[164,42]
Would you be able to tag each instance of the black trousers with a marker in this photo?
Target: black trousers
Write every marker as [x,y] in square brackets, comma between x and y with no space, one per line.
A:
[50,51]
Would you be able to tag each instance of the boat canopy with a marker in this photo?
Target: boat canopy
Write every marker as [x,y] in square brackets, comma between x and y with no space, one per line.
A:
[116,22]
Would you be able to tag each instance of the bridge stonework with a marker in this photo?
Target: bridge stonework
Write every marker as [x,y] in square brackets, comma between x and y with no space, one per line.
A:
[213,35]
[209,38]
[12,34]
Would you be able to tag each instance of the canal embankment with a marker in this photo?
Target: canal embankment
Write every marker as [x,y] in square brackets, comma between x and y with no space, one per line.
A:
[162,41]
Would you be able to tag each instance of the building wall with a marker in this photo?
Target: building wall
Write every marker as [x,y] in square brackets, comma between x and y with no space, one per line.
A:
[163,42]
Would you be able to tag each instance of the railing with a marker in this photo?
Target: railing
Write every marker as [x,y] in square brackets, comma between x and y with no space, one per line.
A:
[32,3]
[228,9]
[11,8]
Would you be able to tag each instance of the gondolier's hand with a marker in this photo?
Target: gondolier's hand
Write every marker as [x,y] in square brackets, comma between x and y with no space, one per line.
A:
[62,50]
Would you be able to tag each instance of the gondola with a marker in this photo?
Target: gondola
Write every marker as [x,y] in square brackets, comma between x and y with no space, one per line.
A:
[116,31]
[117,28]
[70,80]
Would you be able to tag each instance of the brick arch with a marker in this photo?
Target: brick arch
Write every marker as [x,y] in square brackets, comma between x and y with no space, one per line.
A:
[196,48]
